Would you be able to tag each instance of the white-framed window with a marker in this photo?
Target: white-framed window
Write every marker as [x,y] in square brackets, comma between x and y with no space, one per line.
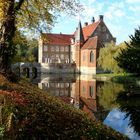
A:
[45,48]
[62,48]
[57,48]
[66,48]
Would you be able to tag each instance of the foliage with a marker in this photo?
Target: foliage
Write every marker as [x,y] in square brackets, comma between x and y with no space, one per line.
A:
[129,59]
[107,94]
[37,115]
[2,130]
[40,14]
[106,58]
[27,49]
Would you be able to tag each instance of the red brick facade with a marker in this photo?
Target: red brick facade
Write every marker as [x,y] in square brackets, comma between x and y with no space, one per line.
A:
[82,47]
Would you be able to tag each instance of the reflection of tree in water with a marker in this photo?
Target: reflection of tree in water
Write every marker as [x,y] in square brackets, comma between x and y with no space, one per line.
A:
[107,93]
[129,101]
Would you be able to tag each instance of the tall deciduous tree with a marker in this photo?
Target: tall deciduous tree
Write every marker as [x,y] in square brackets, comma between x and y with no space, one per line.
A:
[26,13]
[106,58]
[129,59]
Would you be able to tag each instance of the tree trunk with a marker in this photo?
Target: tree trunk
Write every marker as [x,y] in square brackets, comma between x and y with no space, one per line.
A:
[7,30]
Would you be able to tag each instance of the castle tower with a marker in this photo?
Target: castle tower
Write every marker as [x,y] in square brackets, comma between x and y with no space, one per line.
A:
[79,41]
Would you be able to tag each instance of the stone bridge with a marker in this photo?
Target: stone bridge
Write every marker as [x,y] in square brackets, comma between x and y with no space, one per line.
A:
[26,68]
[30,68]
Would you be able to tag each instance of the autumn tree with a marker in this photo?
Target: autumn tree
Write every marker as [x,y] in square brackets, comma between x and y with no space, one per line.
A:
[30,14]
[129,59]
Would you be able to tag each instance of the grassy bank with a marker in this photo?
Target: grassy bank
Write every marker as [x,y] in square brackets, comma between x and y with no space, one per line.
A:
[31,114]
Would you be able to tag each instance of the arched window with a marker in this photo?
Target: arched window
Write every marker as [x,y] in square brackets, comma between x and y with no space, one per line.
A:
[91,56]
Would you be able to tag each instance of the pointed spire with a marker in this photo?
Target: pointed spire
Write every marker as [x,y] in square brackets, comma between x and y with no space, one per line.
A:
[79,33]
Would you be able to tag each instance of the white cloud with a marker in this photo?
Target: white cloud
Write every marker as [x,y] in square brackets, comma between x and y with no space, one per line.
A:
[135,8]
[90,2]
[133,1]
[119,13]
[115,10]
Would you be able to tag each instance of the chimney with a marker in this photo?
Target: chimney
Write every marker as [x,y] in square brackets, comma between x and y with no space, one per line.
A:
[93,20]
[86,23]
[101,17]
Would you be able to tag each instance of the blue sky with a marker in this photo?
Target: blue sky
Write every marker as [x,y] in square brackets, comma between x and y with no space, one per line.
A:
[120,16]
[116,119]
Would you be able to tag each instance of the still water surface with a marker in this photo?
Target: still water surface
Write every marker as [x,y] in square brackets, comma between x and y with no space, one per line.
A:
[116,105]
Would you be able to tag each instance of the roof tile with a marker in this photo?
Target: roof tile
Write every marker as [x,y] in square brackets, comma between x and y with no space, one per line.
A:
[91,43]
[89,29]
[57,39]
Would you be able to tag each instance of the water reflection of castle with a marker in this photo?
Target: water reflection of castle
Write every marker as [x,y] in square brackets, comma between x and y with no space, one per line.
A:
[80,90]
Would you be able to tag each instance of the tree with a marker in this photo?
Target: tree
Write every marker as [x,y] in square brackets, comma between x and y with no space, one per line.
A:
[129,58]
[21,44]
[27,49]
[106,58]
[26,13]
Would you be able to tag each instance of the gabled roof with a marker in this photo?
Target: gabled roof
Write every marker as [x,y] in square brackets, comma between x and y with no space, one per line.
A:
[89,29]
[91,43]
[57,39]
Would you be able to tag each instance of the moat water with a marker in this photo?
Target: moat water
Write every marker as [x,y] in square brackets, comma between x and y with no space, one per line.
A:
[116,105]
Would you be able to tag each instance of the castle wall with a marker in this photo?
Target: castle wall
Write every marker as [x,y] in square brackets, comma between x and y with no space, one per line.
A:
[40,51]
